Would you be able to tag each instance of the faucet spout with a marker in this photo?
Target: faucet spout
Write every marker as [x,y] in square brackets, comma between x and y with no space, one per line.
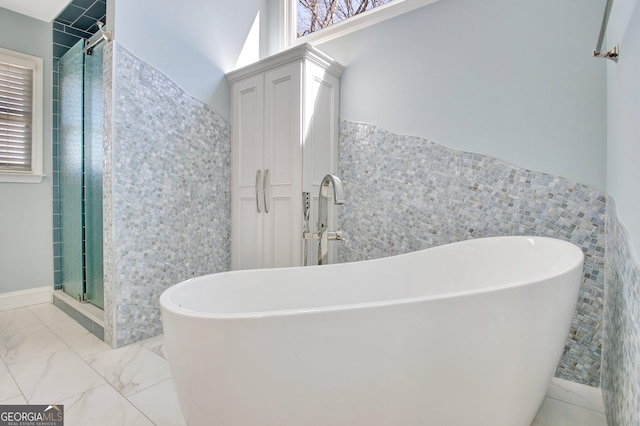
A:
[323,213]
[336,183]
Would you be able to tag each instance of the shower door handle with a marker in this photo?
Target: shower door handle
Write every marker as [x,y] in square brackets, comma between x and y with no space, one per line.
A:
[258,176]
[265,188]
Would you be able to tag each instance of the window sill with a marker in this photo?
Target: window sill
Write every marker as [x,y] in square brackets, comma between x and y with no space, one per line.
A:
[20,177]
[371,17]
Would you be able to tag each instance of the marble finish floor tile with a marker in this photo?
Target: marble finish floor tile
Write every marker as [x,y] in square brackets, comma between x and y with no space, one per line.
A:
[80,340]
[156,345]
[51,315]
[102,406]
[51,378]
[8,386]
[71,334]
[576,394]
[130,369]
[29,342]
[160,404]
[89,345]
[16,400]
[14,319]
[559,413]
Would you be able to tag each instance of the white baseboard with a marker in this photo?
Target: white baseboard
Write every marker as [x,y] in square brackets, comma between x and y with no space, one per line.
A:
[20,299]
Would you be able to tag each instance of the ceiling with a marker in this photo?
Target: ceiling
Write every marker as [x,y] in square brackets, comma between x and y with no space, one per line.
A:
[44,10]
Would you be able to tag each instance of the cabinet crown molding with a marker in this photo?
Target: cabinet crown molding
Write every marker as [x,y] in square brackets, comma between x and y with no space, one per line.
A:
[303,51]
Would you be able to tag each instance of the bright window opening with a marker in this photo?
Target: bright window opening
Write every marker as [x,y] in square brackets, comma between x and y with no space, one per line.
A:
[314,15]
[319,21]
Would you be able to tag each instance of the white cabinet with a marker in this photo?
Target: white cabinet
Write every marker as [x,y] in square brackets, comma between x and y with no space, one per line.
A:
[284,132]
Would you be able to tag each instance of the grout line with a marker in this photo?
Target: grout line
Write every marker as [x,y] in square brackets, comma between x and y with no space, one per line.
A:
[132,403]
[126,398]
[15,382]
[51,330]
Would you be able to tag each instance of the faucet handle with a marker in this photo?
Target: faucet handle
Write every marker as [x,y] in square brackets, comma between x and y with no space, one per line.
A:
[340,237]
[336,235]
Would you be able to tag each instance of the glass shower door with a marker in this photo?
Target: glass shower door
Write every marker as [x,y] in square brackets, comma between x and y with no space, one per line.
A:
[93,156]
[71,170]
[81,155]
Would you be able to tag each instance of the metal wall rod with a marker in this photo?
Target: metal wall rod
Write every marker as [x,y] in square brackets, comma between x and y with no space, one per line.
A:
[103,36]
[613,52]
[91,45]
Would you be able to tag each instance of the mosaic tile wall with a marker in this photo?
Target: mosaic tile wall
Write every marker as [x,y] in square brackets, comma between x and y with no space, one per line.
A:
[169,194]
[407,193]
[621,351]
[107,199]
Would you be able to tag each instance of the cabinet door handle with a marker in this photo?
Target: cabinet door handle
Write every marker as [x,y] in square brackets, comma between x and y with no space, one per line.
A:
[265,187]
[258,176]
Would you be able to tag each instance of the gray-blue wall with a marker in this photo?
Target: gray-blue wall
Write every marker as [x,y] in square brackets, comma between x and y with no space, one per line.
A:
[26,231]
[510,79]
[196,42]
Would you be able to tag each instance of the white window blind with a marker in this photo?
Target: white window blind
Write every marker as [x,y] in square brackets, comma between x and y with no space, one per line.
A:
[21,116]
[16,112]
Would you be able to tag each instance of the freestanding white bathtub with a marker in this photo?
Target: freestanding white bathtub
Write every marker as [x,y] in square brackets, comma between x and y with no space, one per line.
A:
[463,334]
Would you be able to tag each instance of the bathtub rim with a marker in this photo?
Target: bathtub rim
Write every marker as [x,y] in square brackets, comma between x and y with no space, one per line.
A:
[167,304]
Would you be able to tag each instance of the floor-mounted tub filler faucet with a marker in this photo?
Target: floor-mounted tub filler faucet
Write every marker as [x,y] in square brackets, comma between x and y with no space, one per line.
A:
[324,235]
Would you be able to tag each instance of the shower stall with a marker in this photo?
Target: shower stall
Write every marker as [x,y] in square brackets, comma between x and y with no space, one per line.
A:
[80,171]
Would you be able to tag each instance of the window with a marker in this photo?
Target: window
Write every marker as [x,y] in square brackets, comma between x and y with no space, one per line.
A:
[314,15]
[20,117]
[318,21]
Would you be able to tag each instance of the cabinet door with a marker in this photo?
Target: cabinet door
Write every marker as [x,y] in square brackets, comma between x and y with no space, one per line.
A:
[247,159]
[320,118]
[282,244]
